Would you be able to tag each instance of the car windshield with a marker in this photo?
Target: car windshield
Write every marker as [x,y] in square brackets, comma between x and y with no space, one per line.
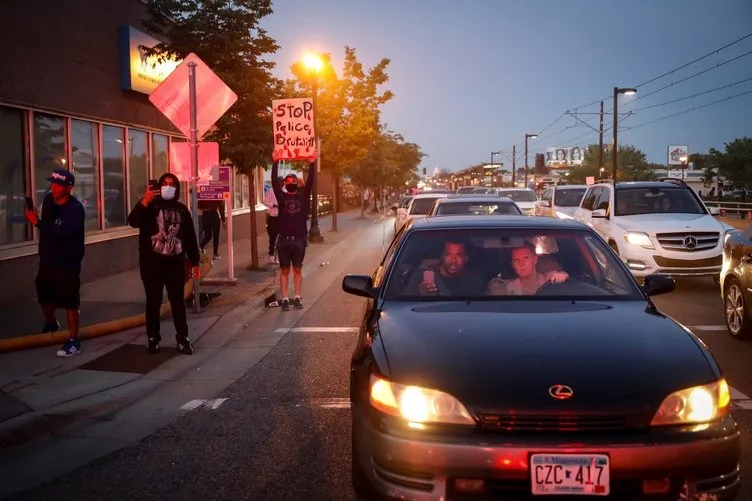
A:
[422,205]
[499,264]
[666,200]
[519,195]
[476,208]
[569,197]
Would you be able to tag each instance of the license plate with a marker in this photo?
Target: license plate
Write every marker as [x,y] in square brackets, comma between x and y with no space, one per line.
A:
[570,474]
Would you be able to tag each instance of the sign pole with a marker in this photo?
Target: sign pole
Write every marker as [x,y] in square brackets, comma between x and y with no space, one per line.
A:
[228,211]
[194,172]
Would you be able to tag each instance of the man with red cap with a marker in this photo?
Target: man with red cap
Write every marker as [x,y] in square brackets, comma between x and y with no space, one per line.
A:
[292,239]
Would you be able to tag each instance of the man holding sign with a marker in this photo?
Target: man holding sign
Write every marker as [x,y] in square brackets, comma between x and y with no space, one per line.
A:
[293,230]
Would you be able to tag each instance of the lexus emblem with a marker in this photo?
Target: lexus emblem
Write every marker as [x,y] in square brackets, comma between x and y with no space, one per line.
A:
[560,391]
[690,242]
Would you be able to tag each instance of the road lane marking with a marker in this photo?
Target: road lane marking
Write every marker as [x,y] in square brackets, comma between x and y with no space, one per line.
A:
[212,404]
[708,327]
[315,330]
[331,403]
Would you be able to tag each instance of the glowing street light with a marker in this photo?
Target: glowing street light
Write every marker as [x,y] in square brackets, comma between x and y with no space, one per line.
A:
[314,63]
[627,91]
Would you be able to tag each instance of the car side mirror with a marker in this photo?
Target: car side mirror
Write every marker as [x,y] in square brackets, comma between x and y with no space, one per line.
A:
[359,285]
[659,283]
[599,214]
[714,211]
[545,203]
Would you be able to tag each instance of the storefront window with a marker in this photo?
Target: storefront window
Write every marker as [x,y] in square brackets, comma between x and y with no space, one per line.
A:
[84,165]
[13,189]
[158,155]
[114,176]
[49,151]
[138,171]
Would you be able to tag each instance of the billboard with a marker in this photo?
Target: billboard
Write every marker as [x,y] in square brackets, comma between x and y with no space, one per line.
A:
[564,157]
[676,153]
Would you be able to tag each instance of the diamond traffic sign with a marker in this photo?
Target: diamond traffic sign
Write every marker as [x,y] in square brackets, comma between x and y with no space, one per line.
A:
[213,97]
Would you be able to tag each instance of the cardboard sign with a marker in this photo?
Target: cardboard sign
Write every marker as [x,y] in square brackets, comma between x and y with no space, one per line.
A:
[294,135]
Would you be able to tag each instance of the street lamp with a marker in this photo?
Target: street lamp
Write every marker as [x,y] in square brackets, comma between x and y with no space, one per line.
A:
[684,160]
[627,91]
[313,63]
[527,136]
[493,153]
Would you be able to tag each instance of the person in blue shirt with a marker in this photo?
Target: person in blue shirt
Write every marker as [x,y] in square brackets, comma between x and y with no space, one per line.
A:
[61,251]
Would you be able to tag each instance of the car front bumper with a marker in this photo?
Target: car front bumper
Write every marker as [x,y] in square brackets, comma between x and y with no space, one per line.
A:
[421,468]
[643,262]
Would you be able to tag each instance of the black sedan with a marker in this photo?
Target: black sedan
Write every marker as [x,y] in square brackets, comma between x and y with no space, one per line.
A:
[511,357]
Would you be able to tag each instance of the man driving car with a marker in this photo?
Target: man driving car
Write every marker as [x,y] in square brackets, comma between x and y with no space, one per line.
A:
[529,280]
[451,278]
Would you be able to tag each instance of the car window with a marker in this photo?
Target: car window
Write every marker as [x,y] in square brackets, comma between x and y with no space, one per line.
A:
[476,208]
[422,205]
[405,202]
[590,198]
[568,197]
[519,195]
[668,200]
[495,264]
[389,257]
[604,200]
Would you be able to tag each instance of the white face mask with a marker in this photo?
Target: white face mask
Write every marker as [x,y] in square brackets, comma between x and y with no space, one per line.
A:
[168,192]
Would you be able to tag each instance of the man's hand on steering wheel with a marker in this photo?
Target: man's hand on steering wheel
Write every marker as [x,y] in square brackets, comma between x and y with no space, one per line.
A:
[558,277]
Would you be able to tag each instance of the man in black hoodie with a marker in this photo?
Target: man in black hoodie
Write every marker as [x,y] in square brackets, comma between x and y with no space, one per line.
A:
[166,236]
[292,241]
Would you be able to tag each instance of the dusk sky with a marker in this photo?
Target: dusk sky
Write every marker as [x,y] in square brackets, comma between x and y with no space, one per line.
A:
[473,77]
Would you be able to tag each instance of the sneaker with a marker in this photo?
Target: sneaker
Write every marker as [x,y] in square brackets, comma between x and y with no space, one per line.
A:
[185,347]
[70,349]
[153,345]
[54,326]
[285,305]
[297,303]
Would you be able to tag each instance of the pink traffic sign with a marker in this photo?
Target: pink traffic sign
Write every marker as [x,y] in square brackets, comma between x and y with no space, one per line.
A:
[213,97]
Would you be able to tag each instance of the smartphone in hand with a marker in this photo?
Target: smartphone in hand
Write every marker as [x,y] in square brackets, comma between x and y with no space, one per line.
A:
[429,277]
[153,185]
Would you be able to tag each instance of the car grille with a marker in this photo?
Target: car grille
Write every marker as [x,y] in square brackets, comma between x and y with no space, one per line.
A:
[688,242]
[548,423]
[665,262]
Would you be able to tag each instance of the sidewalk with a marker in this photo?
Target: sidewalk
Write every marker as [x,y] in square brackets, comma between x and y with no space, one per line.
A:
[116,302]
[41,394]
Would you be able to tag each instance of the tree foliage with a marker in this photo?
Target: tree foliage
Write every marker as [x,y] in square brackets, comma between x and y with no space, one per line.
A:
[735,162]
[632,165]
[227,36]
[347,108]
[390,162]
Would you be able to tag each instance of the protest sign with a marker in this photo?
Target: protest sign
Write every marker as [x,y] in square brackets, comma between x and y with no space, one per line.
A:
[294,135]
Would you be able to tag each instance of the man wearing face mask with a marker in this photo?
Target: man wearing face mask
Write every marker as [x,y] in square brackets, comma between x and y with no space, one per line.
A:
[166,236]
[292,241]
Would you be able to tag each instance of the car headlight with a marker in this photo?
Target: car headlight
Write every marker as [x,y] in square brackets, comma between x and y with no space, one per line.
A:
[699,404]
[416,404]
[641,239]
[728,235]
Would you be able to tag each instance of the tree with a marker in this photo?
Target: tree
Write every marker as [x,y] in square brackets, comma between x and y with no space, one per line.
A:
[226,35]
[391,162]
[347,108]
[735,163]
[632,165]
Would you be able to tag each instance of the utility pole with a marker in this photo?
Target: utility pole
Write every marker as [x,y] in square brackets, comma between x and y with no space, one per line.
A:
[514,164]
[600,141]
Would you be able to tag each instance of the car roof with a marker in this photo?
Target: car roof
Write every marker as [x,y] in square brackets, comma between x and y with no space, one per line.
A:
[430,195]
[643,184]
[474,198]
[475,222]
[565,186]
[513,189]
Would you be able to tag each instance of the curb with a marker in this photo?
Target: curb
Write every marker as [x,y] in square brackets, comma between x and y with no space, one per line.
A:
[30,341]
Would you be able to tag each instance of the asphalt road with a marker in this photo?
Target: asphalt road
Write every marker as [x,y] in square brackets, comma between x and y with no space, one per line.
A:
[283,431]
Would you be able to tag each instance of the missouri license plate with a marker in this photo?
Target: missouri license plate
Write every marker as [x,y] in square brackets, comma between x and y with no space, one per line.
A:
[570,474]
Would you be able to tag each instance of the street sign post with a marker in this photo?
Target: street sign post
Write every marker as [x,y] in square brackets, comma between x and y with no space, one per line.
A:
[193,109]
[219,188]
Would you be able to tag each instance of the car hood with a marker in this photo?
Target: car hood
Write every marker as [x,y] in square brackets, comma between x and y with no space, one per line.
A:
[526,205]
[569,211]
[508,354]
[669,223]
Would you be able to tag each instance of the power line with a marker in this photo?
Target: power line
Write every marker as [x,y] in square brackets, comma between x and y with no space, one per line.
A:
[696,60]
[690,109]
[693,95]
[688,78]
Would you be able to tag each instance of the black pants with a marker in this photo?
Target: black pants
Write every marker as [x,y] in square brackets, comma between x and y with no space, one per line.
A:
[211,225]
[158,275]
[59,286]
[272,230]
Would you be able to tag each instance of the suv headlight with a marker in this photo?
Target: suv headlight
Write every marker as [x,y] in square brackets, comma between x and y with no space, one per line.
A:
[728,235]
[696,405]
[417,405]
[641,239]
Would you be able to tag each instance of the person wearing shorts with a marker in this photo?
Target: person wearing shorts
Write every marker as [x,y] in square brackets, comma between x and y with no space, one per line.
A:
[292,239]
[61,250]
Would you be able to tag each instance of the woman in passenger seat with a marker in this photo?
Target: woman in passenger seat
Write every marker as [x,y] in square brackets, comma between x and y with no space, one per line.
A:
[529,280]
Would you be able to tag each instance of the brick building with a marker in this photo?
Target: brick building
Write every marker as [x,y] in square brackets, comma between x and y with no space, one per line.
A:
[73,93]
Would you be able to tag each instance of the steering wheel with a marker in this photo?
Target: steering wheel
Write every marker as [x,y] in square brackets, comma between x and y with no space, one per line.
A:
[570,287]
[548,287]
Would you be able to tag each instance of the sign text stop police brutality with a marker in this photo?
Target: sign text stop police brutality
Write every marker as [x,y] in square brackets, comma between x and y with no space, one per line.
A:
[293,125]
